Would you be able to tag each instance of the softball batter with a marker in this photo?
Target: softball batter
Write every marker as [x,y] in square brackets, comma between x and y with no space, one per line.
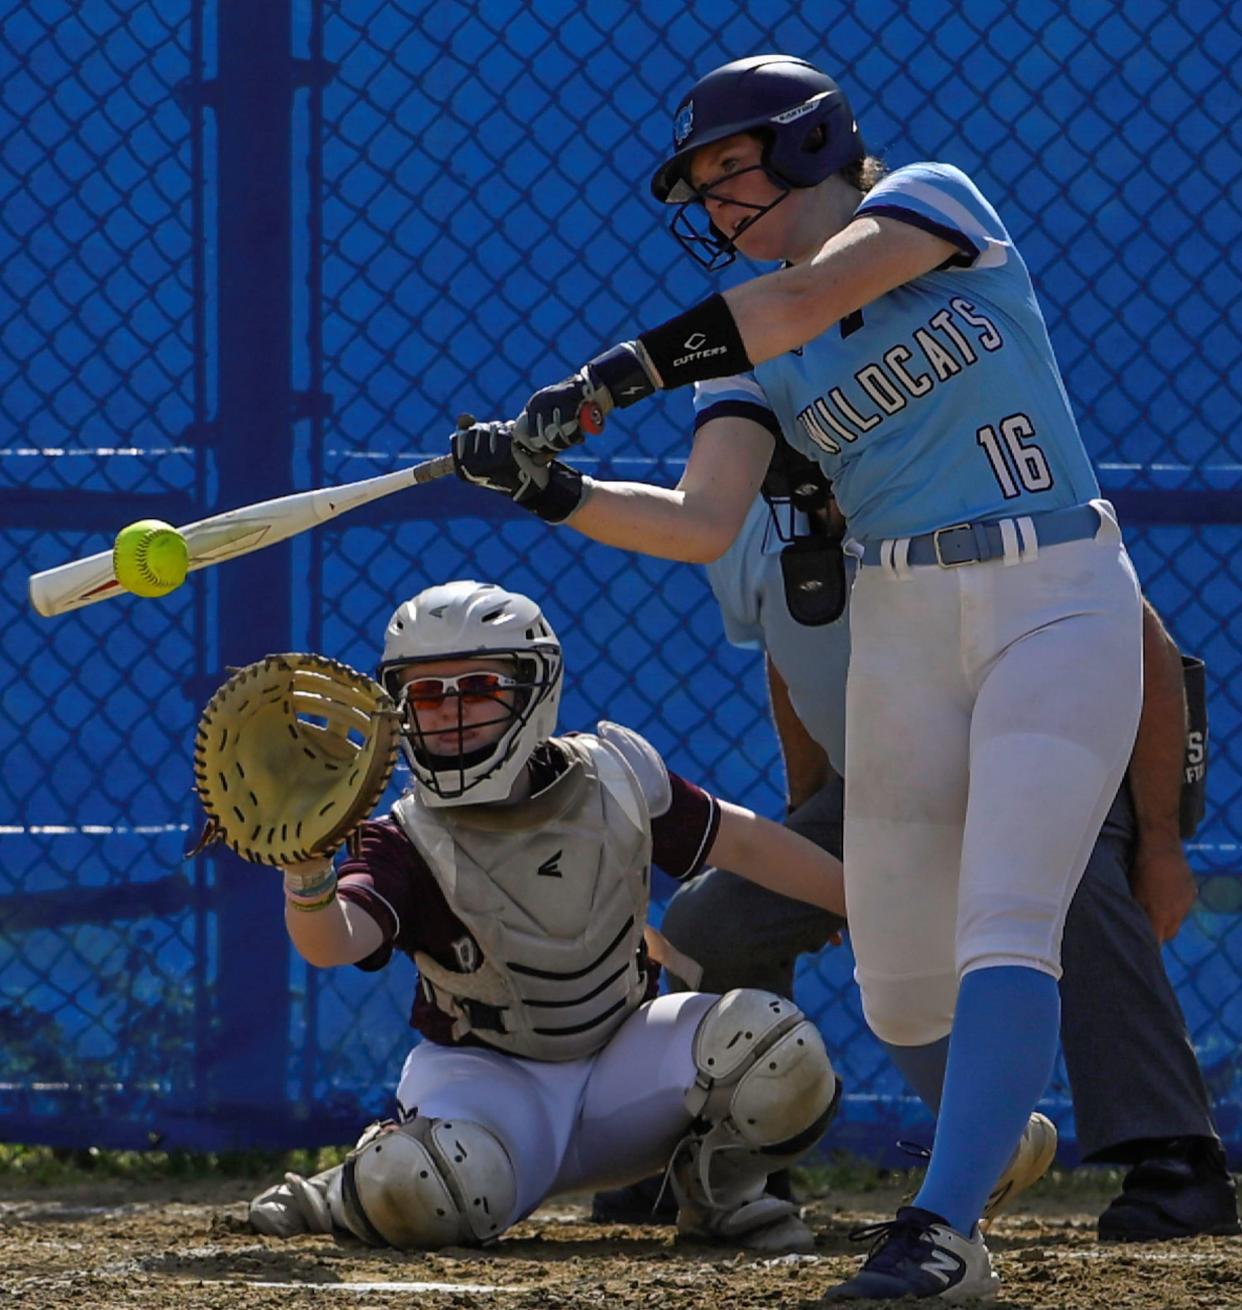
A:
[995,682]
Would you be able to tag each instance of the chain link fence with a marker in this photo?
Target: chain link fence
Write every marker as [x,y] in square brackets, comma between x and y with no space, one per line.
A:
[468,218]
[102,959]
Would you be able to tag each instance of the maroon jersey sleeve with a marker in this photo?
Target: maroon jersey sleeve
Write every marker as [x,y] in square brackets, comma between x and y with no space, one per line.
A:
[683,834]
[383,878]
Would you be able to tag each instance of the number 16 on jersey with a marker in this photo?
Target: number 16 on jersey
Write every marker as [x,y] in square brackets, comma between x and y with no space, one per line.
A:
[1018,463]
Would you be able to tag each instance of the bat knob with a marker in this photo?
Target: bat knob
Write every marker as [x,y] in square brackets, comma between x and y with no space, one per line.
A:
[591,419]
[465,421]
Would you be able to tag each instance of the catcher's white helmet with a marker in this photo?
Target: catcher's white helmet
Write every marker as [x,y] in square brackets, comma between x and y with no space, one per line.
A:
[460,620]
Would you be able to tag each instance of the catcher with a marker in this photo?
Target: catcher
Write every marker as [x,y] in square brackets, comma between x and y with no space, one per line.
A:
[515,872]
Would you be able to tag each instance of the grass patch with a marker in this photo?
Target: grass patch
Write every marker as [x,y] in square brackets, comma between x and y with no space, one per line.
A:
[46,1166]
[842,1172]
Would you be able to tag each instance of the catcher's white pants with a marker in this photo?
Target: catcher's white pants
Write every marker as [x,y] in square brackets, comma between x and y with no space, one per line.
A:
[991,712]
[609,1118]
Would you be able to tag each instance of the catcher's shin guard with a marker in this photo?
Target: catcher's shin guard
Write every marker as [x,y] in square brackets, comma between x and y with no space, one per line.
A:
[764,1094]
[424,1184]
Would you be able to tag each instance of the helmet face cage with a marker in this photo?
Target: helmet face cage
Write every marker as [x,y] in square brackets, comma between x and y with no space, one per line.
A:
[700,238]
[459,777]
[466,621]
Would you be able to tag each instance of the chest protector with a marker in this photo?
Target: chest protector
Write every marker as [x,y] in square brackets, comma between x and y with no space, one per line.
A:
[555,892]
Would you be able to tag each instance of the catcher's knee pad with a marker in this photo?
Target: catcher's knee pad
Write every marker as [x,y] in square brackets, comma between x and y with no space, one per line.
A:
[764,1093]
[428,1183]
[908,1011]
[761,1065]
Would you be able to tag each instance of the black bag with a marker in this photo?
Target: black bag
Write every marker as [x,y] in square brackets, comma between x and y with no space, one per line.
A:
[1194,765]
[813,570]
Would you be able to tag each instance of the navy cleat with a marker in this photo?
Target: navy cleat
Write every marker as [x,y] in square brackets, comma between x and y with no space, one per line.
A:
[919,1255]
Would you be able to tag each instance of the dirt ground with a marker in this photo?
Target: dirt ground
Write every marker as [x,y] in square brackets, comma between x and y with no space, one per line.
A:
[184,1246]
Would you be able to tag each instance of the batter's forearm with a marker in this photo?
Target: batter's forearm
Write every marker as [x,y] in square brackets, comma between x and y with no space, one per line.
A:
[779,311]
[1159,748]
[657,521]
[698,519]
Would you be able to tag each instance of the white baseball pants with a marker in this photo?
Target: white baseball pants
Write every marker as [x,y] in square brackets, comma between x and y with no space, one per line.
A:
[609,1118]
[991,713]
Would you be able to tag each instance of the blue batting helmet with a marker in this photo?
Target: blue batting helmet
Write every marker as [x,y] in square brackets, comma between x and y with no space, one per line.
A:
[785,100]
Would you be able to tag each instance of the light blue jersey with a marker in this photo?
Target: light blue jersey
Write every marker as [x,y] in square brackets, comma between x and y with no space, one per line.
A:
[938,403]
[750,591]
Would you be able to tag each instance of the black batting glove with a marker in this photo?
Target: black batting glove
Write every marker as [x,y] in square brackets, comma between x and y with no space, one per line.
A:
[486,455]
[560,416]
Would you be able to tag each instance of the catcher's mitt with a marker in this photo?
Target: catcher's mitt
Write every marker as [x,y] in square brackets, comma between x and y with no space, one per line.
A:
[291,754]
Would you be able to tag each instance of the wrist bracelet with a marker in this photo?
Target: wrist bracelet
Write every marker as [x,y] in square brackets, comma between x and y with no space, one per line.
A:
[303,894]
[309,875]
[309,906]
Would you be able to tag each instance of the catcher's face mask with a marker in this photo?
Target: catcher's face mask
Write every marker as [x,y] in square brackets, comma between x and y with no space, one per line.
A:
[468,726]
[449,714]
[459,639]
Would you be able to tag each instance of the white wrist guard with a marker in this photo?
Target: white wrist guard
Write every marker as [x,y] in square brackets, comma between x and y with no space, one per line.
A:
[310,885]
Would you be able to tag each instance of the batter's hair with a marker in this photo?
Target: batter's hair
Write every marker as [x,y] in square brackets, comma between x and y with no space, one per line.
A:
[864,173]
[861,174]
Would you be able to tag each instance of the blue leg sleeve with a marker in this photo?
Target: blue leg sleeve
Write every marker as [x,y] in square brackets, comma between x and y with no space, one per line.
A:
[1001,1053]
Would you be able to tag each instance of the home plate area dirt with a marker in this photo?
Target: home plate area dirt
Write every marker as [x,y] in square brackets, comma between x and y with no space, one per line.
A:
[185,1246]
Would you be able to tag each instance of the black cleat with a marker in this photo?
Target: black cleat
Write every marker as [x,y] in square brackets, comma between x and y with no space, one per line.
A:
[1182,1189]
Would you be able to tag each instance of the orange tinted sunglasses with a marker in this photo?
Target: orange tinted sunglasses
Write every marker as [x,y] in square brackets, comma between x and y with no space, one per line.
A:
[429,693]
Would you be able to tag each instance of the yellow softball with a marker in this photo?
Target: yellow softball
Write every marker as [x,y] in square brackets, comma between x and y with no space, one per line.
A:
[150,558]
